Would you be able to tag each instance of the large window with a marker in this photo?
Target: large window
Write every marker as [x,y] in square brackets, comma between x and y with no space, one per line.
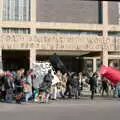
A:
[98,63]
[114,63]
[88,65]
[16,10]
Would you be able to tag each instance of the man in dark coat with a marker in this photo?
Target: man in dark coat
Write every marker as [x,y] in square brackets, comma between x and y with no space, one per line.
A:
[68,87]
[92,82]
[104,86]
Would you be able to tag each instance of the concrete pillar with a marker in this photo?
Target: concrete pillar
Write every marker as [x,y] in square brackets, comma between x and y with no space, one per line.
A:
[1,9]
[94,65]
[33,14]
[105,33]
[32,57]
[33,10]
[105,57]
[105,14]
[33,30]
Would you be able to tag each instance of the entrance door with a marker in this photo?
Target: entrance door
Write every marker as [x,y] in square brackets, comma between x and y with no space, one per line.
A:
[71,63]
[15,59]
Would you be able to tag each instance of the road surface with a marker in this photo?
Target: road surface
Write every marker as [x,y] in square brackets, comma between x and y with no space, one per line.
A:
[83,109]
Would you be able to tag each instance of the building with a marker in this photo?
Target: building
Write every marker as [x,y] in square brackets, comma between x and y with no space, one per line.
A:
[82,33]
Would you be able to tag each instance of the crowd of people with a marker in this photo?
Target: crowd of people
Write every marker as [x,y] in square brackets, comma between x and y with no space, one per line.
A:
[21,86]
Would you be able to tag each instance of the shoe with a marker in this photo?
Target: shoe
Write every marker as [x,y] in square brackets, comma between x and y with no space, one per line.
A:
[53,99]
[36,100]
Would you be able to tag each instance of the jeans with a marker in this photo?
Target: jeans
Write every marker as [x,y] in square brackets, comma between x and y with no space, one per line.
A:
[9,95]
[28,95]
[117,90]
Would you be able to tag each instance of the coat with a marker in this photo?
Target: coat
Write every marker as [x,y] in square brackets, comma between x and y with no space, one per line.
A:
[92,82]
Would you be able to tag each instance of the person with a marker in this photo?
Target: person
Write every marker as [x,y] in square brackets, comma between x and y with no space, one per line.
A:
[19,86]
[117,89]
[63,83]
[92,82]
[75,86]
[104,86]
[9,86]
[45,87]
[2,87]
[35,86]
[68,87]
[80,81]
[99,83]
[28,86]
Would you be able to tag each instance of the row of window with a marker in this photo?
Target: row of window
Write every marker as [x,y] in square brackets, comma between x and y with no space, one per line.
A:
[89,64]
[16,30]
[38,31]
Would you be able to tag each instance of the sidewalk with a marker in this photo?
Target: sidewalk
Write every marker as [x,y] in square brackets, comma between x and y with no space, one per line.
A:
[88,93]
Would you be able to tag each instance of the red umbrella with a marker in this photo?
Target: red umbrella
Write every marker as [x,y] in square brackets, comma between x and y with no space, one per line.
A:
[110,73]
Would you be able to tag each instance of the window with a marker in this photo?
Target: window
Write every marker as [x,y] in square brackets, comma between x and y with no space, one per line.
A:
[78,32]
[16,10]
[89,65]
[113,33]
[16,30]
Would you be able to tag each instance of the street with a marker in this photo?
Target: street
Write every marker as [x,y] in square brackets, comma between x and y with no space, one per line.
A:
[82,109]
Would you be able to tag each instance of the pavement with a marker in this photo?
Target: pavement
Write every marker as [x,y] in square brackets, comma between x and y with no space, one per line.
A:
[107,108]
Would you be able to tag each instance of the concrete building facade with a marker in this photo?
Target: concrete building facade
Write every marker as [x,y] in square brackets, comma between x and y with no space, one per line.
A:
[34,28]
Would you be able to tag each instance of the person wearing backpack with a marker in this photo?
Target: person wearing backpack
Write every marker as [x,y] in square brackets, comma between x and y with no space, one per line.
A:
[45,87]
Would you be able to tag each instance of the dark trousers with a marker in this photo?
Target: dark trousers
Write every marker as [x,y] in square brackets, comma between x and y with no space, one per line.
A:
[2,95]
[104,90]
[76,92]
[68,91]
[92,93]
